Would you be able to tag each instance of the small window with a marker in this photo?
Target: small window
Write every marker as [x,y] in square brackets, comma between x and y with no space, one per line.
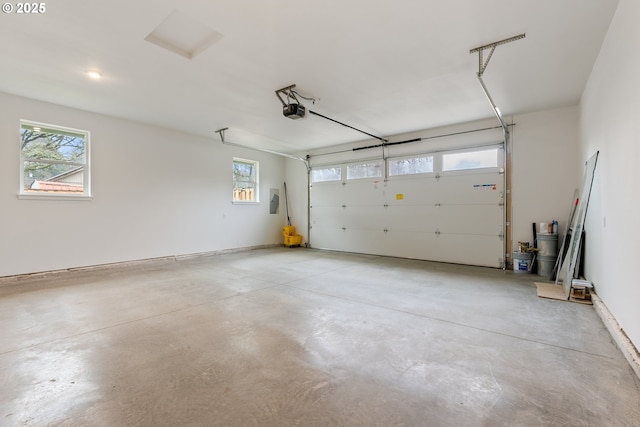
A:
[470,160]
[245,180]
[326,174]
[364,170]
[411,165]
[53,160]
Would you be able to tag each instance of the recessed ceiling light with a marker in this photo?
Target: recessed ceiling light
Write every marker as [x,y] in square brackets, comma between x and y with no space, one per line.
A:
[95,75]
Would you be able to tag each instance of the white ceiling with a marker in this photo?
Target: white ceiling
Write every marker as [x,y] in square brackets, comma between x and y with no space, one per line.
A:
[386,67]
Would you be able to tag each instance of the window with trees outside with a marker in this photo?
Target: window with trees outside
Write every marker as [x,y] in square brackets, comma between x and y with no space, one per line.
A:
[54,160]
[245,180]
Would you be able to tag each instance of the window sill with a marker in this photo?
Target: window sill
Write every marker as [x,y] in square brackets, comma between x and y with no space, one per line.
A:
[243,202]
[54,197]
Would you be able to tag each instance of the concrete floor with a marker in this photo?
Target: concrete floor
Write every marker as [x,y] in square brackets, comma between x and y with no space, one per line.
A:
[298,337]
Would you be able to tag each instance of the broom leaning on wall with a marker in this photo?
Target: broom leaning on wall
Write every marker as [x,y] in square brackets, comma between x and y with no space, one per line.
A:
[291,239]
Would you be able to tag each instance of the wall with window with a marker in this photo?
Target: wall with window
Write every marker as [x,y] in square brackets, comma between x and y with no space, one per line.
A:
[154,193]
[54,161]
[610,109]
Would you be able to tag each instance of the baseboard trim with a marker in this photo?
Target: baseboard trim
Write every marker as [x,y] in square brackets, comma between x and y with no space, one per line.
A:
[622,340]
[7,280]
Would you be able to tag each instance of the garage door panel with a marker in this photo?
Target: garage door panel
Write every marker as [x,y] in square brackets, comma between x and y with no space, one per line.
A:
[444,247]
[409,244]
[327,216]
[365,217]
[362,192]
[453,217]
[458,248]
[471,189]
[476,189]
[325,237]
[411,191]
[411,218]
[327,194]
[470,219]
[362,240]
[349,239]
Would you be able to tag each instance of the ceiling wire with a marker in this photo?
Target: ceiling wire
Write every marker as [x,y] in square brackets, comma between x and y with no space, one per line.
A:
[348,126]
[295,92]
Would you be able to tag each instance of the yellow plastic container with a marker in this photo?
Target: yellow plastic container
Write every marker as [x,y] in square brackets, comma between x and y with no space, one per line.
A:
[289,230]
[294,240]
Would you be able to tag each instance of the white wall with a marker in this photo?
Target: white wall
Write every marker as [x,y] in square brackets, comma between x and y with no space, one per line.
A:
[156,192]
[296,179]
[546,169]
[610,123]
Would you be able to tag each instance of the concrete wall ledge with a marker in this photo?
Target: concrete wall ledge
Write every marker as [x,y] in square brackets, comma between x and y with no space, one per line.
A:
[12,280]
[624,343]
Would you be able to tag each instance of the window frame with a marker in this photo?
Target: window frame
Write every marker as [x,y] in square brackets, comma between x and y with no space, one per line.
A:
[86,178]
[410,157]
[317,168]
[378,162]
[469,151]
[256,182]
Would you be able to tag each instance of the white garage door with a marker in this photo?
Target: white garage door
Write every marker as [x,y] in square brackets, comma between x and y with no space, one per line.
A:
[446,206]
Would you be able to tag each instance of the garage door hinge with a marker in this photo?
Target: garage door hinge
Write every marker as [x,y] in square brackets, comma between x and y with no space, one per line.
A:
[501,235]
[386,205]
[437,232]
[344,228]
[438,205]
[437,177]
[344,206]
[386,230]
[501,203]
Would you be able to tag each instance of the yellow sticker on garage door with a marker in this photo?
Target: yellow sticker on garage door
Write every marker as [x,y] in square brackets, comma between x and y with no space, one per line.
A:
[399,196]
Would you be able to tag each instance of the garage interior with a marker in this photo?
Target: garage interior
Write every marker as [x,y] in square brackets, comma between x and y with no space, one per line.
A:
[153,153]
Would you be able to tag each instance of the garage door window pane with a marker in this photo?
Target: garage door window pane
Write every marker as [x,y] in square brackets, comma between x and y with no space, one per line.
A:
[470,160]
[364,170]
[411,166]
[326,174]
